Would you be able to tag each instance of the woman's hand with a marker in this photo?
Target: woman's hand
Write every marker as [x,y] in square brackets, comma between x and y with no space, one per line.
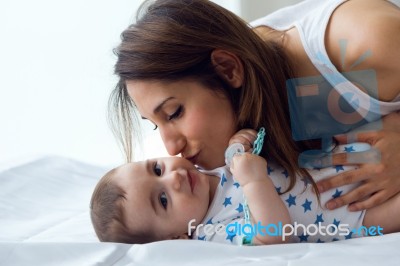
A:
[380,180]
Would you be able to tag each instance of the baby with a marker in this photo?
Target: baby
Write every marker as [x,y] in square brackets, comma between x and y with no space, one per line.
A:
[169,198]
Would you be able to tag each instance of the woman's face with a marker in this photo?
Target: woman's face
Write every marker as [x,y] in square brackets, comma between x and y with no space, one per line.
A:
[194,121]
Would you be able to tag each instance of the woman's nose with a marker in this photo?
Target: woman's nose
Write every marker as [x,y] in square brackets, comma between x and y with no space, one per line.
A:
[174,142]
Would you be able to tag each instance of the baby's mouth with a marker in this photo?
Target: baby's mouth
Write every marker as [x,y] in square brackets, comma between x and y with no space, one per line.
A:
[192,181]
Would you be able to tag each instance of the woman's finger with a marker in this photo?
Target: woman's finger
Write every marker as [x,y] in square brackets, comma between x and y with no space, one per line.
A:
[374,200]
[350,158]
[357,194]
[342,179]
[369,137]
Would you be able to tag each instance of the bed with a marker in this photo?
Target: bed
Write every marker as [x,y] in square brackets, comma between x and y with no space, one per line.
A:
[44,210]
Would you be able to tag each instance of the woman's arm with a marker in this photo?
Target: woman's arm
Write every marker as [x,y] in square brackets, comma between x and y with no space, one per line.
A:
[371,31]
[375,27]
[266,207]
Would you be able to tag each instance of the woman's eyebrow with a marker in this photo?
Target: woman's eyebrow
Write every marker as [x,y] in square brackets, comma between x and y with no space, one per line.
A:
[159,107]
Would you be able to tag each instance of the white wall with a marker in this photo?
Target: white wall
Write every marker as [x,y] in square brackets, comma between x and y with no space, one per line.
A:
[56,66]
[253,9]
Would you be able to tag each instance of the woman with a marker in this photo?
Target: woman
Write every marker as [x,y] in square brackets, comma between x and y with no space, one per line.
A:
[200,74]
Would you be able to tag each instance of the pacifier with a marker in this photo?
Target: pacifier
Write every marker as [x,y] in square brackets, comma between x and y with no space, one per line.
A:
[232,150]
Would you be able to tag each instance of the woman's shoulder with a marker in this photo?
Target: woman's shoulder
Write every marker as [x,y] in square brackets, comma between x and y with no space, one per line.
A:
[365,34]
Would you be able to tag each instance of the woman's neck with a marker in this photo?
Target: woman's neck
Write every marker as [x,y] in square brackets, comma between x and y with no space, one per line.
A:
[298,58]
[292,46]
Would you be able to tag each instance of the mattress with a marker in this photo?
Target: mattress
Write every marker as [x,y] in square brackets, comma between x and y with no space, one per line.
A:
[44,220]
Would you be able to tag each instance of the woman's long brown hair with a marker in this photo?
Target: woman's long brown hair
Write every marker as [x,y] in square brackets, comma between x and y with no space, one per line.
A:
[173,40]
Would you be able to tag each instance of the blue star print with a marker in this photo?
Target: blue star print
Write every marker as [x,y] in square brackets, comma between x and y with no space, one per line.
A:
[227,202]
[320,241]
[306,181]
[303,238]
[223,180]
[339,168]
[349,236]
[307,205]
[291,200]
[349,149]
[336,223]
[210,221]
[230,236]
[319,219]
[278,189]
[337,193]
[239,208]
[201,238]
[270,170]
[236,184]
[285,173]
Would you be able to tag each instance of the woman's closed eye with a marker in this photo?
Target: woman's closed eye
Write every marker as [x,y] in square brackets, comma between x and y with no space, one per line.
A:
[163,200]
[177,113]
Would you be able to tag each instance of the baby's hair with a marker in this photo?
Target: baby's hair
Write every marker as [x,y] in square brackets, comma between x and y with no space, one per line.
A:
[108,216]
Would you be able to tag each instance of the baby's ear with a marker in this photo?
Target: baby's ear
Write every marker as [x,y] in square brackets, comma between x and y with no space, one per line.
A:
[183,236]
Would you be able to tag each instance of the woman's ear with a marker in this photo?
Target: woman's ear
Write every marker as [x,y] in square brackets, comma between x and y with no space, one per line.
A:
[228,66]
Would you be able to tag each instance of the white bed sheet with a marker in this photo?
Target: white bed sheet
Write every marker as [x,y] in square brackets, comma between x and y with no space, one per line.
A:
[44,220]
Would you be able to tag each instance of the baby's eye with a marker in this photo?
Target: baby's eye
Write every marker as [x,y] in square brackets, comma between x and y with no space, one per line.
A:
[163,200]
[157,169]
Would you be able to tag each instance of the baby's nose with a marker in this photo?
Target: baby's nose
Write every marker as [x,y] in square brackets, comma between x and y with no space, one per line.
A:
[178,178]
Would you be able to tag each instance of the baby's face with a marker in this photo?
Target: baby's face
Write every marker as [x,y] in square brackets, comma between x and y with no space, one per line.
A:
[163,195]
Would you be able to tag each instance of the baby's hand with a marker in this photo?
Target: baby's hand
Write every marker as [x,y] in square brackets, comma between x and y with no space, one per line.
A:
[248,168]
[246,137]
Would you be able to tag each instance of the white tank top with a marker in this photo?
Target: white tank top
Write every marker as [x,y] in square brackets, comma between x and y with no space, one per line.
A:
[310,17]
